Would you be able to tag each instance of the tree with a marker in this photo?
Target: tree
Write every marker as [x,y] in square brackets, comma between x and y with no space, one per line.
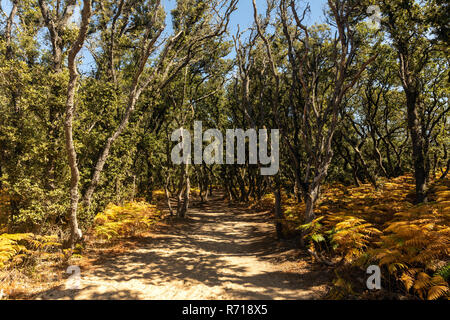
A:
[326,69]
[75,233]
[193,25]
[406,23]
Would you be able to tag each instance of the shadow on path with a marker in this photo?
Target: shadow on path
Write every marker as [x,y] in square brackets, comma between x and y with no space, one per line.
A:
[222,252]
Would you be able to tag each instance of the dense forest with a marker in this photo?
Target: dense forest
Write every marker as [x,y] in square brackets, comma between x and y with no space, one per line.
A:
[92,91]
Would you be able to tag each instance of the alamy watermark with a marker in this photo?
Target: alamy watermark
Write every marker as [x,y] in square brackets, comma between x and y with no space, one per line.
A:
[74,281]
[374,281]
[214,153]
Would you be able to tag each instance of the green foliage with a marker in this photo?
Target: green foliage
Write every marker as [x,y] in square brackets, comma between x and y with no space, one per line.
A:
[444,272]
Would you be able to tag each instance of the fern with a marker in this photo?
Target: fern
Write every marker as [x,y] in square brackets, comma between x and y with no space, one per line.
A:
[20,246]
[126,220]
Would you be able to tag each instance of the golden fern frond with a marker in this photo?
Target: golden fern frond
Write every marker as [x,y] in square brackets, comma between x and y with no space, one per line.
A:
[437,291]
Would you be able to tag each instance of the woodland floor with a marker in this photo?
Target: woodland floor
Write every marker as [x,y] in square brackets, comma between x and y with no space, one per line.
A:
[222,251]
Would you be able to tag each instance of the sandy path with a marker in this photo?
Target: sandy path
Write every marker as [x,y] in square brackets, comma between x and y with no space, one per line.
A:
[222,252]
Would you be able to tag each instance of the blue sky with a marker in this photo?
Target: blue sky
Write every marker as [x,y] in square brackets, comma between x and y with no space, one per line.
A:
[243,17]
[244,14]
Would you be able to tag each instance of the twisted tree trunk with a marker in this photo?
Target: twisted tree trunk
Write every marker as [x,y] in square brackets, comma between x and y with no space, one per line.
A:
[75,232]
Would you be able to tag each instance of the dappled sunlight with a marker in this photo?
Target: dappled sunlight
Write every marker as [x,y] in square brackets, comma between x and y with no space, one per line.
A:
[220,254]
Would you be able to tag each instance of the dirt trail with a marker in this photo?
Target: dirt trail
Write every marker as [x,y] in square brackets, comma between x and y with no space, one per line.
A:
[222,252]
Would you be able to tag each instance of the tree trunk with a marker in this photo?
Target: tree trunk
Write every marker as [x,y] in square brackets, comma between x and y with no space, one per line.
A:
[8,29]
[278,210]
[183,200]
[72,158]
[186,196]
[313,188]
[420,172]
[75,233]
[166,190]
[297,184]
[184,192]
[311,199]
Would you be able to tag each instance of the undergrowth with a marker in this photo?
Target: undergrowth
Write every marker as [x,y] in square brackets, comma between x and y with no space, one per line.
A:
[361,226]
[127,220]
[26,259]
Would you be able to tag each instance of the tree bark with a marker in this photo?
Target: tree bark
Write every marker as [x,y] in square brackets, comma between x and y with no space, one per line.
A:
[278,211]
[75,233]
[167,192]
[184,192]
[8,29]
[420,171]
